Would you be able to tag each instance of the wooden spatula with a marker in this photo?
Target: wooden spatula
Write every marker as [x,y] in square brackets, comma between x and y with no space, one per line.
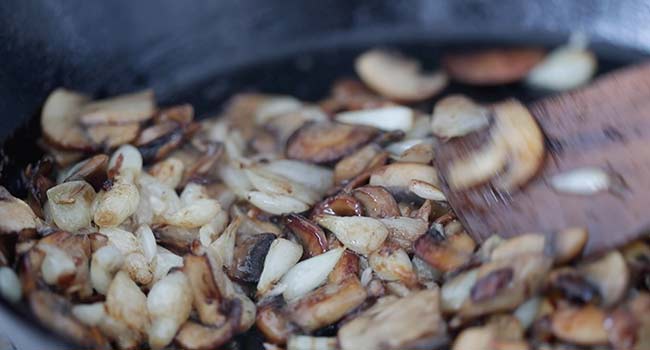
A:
[605,125]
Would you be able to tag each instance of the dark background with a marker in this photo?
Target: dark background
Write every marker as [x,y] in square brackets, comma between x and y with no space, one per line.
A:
[201,51]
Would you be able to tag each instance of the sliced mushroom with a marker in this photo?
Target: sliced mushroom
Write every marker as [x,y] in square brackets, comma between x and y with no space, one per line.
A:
[397,323]
[327,142]
[392,263]
[486,338]
[362,235]
[445,255]
[404,230]
[610,274]
[346,267]
[569,243]
[524,140]
[572,286]
[60,120]
[111,136]
[377,201]
[503,285]
[528,243]
[91,170]
[15,215]
[131,108]
[282,256]
[339,205]
[194,336]
[478,167]
[70,203]
[355,163]
[396,177]
[55,312]
[327,304]
[420,151]
[249,254]
[398,77]
[388,118]
[492,67]
[457,116]
[581,326]
[311,236]
[272,320]
[207,298]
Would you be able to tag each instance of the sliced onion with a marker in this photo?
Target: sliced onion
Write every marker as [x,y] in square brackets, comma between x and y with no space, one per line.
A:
[309,274]
[386,118]
[317,178]
[581,181]
[275,203]
[282,255]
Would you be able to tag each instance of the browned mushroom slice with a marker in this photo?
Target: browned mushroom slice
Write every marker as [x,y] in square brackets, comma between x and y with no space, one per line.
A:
[392,263]
[445,254]
[327,304]
[202,167]
[309,234]
[339,205]
[350,94]
[486,338]
[457,116]
[325,142]
[15,215]
[181,114]
[346,267]
[55,312]
[176,239]
[195,336]
[207,300]
[77,248]
[524,140]
[404,230]
[155,131]
[581,326]
[397,323]
[91,170]
[503,285]
[131,108]
[492,67]
[396,177]
[60,120]
[37,178]
[377,201]
[398,77]
[610,274]
[355,163]
[250,251]
[273,322]
[111,136]
[161,144]
[572,286]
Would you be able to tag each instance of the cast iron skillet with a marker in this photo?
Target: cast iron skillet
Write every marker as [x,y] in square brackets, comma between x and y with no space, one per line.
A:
[203,52]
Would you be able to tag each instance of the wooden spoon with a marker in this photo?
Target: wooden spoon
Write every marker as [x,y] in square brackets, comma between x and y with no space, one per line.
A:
[604,125]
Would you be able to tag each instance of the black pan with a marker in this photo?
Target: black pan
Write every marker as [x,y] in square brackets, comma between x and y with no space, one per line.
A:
[204,51]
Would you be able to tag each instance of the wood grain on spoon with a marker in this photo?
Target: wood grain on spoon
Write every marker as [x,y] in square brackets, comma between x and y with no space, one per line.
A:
[605,125]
